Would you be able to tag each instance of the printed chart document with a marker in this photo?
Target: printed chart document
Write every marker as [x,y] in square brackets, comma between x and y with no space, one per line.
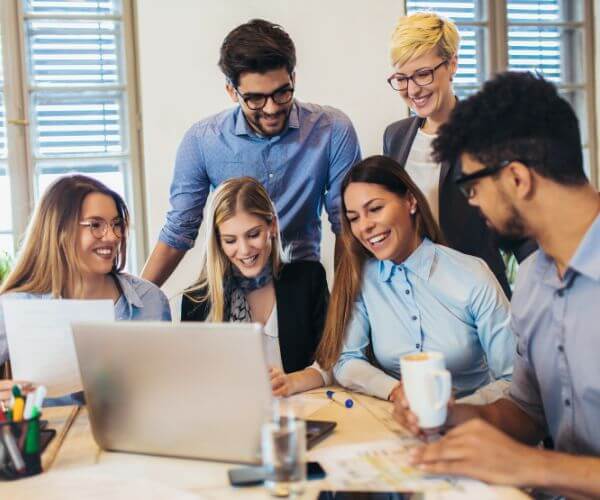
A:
[40,342]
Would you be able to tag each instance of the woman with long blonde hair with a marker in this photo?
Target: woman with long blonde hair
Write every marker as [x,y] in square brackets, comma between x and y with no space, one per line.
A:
[399,290]
[75,247]
[245,277]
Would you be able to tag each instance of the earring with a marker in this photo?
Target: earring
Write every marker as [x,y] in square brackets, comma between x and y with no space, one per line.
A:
[413,211]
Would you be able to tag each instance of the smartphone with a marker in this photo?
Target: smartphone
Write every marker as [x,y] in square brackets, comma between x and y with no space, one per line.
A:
[252,476]
[369,495]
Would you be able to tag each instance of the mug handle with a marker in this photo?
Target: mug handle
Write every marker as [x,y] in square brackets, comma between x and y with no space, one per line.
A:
[444,388]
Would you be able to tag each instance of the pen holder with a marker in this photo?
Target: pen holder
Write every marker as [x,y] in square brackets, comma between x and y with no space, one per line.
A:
[21,447]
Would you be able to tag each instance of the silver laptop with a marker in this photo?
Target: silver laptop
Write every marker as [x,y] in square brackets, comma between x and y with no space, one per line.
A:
[190,390]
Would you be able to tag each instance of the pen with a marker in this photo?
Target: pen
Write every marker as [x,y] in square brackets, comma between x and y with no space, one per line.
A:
[348,403]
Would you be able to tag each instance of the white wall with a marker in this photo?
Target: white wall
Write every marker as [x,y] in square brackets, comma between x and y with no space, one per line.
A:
[342,61]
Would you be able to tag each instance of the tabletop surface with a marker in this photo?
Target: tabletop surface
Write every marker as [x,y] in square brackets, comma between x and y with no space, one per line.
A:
[77,468]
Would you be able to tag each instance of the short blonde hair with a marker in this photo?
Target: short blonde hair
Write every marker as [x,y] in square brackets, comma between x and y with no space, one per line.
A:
[421,32]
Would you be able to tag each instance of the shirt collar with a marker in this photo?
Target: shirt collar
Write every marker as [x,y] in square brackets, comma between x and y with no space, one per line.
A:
[129,292]
[586,260]
[419,262]
[243,128]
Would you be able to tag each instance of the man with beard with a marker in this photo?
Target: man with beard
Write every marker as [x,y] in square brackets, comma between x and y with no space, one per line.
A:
[298,151]
[522,166]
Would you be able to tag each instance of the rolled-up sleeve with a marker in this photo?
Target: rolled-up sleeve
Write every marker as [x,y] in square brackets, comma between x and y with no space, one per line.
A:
[343,154]
[189,190]
[353,369]
[491,314]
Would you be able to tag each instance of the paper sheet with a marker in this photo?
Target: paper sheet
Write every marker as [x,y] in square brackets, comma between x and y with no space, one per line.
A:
[379,466]
[305,405]
[40,342]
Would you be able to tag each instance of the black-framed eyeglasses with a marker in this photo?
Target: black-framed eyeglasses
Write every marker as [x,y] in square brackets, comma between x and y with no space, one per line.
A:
[466,183]
[99,227]
[421,77]
[257,102]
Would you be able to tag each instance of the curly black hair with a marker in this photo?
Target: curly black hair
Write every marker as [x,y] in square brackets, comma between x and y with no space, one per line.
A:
[516,116]
[257,46]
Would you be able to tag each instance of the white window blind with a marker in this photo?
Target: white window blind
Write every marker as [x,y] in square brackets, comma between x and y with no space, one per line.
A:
[6,233]
[78,96]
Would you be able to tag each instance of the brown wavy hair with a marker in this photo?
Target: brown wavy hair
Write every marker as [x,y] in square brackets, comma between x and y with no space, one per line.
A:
[390,175]
[48,261]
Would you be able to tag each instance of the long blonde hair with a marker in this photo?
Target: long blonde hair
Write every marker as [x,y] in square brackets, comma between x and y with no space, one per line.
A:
[48,261]
[388,174]
[232,196]
[421,32]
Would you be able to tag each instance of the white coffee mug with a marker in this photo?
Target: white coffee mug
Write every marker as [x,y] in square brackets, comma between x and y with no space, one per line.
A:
[427,385]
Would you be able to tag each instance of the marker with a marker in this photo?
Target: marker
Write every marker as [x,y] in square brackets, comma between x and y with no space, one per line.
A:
[32,445]
[348,403]
[29,404]
[40,394]
[19,404]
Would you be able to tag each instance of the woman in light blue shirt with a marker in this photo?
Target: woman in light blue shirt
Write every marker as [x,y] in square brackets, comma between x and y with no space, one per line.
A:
[75,247]
[398,290]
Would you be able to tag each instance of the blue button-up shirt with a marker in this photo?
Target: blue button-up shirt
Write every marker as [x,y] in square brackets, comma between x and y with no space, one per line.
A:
[557,369]
[140,300]
[436,300]
[301,169]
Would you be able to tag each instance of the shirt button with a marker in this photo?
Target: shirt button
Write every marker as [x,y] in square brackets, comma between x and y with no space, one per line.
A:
[414,318]
[560,293]
[270,176]
[567,402]
[418,346]
[406,292]
[561,348]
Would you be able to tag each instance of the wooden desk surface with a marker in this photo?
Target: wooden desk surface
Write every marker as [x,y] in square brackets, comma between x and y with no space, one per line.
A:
[81,470]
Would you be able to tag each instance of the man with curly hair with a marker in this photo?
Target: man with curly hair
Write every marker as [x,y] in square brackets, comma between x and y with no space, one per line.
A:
[520,149]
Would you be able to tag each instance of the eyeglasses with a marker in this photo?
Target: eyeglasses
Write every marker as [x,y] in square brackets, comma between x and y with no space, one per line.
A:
[256,102]
[99,228]
[421,77]
[466,183]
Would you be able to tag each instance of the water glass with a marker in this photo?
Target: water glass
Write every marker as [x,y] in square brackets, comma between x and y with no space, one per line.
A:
[283,448]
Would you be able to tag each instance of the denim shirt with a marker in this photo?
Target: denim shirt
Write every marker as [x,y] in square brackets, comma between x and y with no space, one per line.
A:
[438,299]
[301,168]
[139,300]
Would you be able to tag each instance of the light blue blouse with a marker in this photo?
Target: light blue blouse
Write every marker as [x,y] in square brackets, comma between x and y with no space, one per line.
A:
[436,300]
[139,300]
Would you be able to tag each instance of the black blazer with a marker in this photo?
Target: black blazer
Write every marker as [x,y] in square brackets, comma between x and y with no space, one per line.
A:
[462,224]
[302,296]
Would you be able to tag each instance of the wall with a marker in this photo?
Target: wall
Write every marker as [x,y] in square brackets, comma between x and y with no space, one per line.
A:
[342,61]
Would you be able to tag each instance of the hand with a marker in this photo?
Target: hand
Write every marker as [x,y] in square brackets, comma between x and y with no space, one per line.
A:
[281,384]
[478,450]
[405,417]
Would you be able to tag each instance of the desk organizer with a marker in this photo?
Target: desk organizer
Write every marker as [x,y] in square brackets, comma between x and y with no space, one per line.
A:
[21,447]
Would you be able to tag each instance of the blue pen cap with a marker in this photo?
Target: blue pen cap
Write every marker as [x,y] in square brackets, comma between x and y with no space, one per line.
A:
[349,403]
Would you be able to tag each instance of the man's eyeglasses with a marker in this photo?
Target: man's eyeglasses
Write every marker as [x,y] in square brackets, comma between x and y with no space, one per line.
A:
[466,183]
[99,228]
[257,102]
[421,77]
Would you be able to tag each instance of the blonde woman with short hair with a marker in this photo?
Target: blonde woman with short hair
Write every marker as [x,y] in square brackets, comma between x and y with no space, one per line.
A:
[424,56]
[245,278]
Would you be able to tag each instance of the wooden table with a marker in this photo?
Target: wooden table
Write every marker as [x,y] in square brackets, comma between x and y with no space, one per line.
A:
[77,468]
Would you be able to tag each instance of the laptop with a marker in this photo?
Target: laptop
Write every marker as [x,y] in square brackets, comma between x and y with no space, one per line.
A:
[196,390]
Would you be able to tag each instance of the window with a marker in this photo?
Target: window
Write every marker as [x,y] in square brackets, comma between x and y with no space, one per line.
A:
[74,102]
[551,37]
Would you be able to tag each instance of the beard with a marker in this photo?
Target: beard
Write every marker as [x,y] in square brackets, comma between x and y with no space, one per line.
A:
[512,231]
[255,121]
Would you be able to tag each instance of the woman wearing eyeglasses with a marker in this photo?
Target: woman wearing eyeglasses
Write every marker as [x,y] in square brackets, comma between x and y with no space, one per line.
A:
[424,56]
[75,248]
